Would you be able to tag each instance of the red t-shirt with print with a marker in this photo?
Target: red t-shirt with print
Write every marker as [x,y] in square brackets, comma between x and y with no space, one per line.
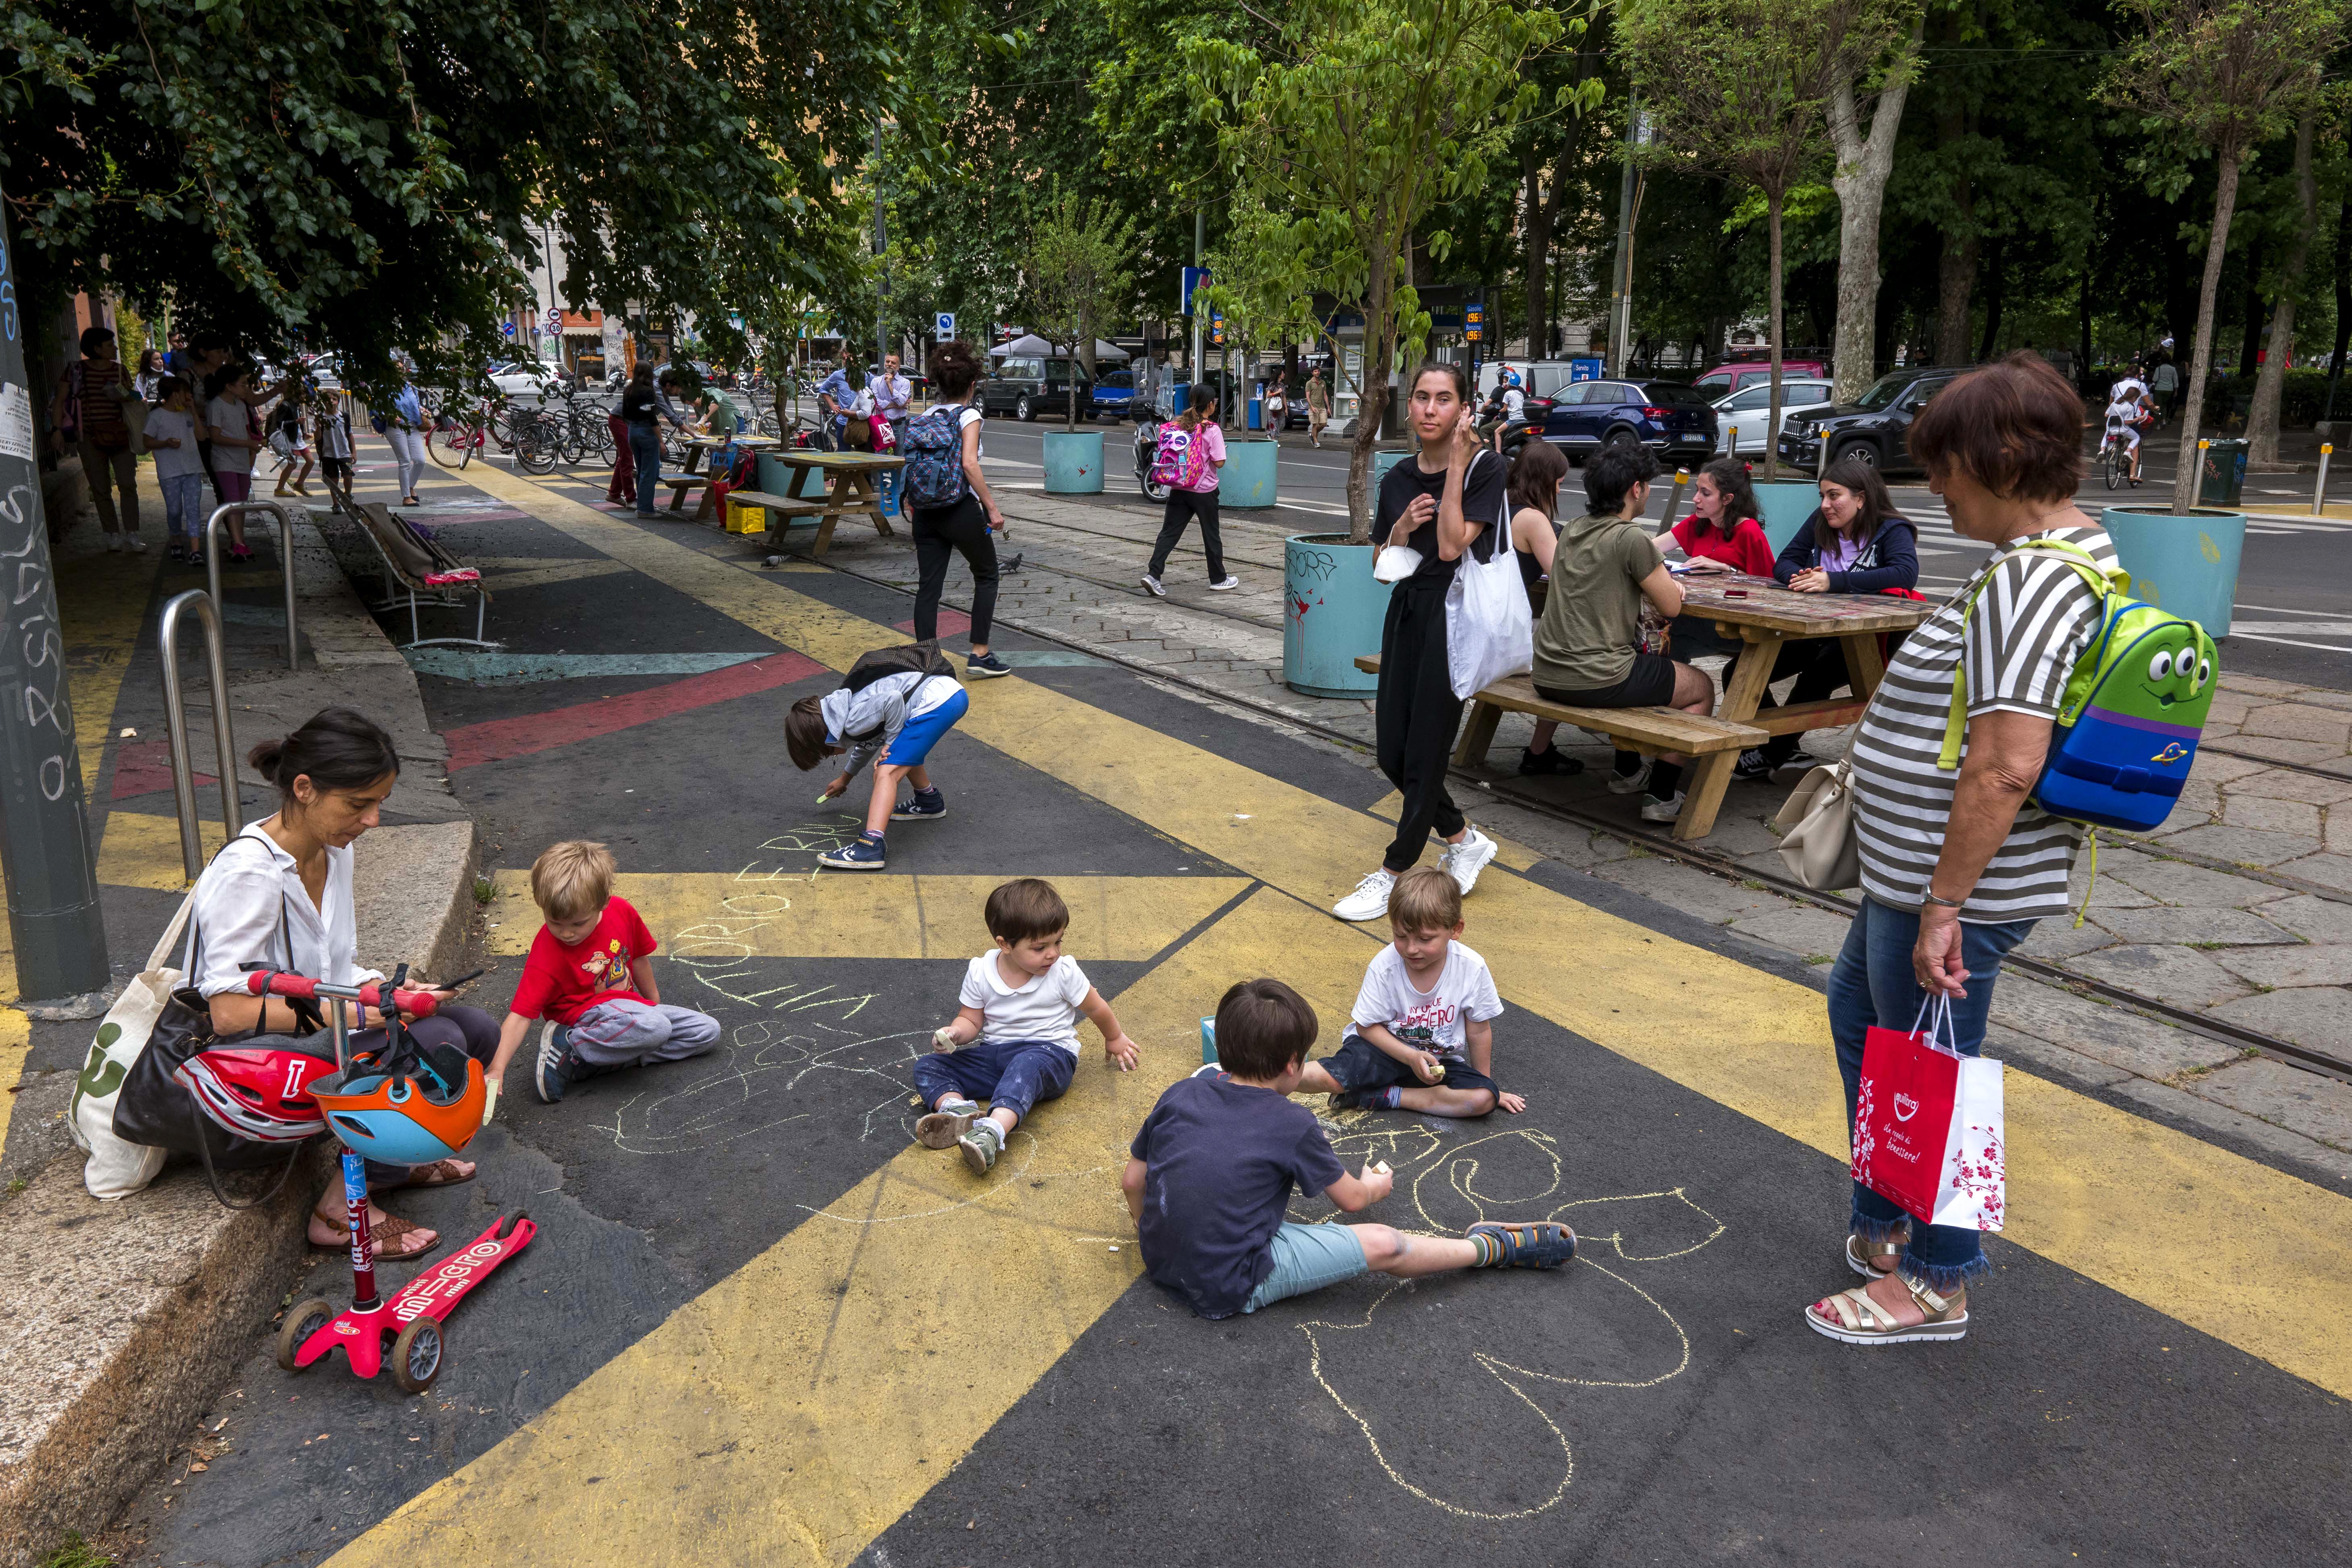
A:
[561,981]
[1746,550]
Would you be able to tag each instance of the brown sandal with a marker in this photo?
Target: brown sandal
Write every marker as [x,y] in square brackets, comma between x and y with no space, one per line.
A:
[386,1237]
[439,1173]
[1872,1259]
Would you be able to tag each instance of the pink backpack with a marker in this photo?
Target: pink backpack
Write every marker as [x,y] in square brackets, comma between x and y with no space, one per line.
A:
[1182,458]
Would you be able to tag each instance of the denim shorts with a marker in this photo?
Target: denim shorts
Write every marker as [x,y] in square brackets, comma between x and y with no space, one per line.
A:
[1308,1257]
[923,731]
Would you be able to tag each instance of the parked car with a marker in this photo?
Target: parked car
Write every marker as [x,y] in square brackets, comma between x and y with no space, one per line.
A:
[521,378]
[1029,387]
[1872,428]
[1749,412]
[1736,374]
[1114,394]
[1669,418]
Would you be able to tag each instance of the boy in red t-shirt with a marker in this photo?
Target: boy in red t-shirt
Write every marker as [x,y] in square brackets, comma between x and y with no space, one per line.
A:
[591,975]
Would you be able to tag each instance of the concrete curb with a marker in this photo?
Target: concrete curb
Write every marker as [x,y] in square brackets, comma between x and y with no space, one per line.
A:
[119,1322]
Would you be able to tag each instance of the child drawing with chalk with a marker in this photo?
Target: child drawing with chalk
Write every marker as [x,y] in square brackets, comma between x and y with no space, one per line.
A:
[893,705]
[1014,1041]
[1210,1176]
[1422,1036]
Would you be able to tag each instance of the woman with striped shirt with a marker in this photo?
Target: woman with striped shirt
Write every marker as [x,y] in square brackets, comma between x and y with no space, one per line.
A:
[1956,866]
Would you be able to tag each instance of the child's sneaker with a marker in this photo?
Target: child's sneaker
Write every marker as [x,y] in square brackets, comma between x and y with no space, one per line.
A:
[866,855]
[923,806]
[982,1146]
[1545,1244]
[945,1127]
[558,1064]
[986,666]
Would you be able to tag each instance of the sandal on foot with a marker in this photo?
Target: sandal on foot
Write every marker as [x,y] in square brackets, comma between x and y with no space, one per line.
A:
[388,1236]
[1863,1257]
[439,1173]
[982,1146]
[943,1128]
[1545,1244]
[1854,1319]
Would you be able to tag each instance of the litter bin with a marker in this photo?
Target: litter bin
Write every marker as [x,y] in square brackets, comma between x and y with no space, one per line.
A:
[2222,478]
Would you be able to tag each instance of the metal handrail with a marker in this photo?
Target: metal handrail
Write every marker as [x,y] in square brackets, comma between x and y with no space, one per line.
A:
[285,554]
[175,722]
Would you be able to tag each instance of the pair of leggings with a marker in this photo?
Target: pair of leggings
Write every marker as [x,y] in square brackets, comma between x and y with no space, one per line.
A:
[1182,507]
[108,472]
[1415,714]
[184,506]
[408,450]
[941,533]
[469,1029]
[1011,1075]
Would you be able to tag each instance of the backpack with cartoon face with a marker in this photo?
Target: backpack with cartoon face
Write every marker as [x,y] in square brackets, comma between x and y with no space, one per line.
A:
[2132,713]
[1181,457]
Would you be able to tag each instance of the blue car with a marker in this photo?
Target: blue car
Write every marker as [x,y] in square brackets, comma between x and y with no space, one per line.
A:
[1675,422]
[1114,396]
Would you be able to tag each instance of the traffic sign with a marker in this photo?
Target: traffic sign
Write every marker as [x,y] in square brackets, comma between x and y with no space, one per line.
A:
[554,320]
[507,328]
[1194,278]
[946,325]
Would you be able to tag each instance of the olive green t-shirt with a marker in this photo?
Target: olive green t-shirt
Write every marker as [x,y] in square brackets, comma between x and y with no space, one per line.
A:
[1592,617]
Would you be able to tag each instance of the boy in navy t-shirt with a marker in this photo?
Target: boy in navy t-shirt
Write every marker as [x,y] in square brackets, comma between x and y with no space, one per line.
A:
[1212,1170]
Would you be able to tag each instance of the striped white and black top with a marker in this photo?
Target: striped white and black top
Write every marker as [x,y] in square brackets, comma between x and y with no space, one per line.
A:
[2028,627]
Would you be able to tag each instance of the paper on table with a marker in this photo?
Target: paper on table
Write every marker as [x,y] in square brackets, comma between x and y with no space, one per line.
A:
[15,422]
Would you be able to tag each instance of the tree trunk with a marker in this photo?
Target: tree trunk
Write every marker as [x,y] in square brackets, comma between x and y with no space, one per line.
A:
[2200,361]
[1772,200]
[2263,419]
[1372,393]
[2343,304]
[1996,287]
[1956,272]
[1538,261]
[2250,341]
[1864,163]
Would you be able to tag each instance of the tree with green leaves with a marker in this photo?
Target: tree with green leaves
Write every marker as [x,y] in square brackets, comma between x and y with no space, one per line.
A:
[1369,114]
[2226,75]
[1078,274]
[1260,282]
[1739,88]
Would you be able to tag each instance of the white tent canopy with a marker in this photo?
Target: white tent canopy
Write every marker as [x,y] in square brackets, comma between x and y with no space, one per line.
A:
[1033,344]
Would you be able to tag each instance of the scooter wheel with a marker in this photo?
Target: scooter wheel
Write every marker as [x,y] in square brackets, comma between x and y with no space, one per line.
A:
[416,1356]
[302,1320]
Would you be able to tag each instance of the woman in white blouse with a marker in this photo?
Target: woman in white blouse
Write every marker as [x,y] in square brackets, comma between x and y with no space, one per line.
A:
[279,895]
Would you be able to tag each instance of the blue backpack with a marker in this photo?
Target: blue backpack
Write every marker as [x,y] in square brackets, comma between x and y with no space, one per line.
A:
[934,453]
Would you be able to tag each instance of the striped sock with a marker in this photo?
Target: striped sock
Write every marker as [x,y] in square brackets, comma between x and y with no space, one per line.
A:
[1392,1096]
[1490,1250]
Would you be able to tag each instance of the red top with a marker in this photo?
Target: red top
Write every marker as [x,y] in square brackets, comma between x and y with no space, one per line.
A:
[1746,550]
[562,981]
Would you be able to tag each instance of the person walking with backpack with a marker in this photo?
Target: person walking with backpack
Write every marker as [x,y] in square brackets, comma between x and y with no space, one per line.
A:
[1191,450]
[953,510]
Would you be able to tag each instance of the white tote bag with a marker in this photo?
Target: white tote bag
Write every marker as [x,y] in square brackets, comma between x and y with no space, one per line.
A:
[117,1167]
[1490,632]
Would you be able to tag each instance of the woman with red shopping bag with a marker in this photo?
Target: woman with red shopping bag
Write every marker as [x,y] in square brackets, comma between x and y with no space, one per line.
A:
[1956,866]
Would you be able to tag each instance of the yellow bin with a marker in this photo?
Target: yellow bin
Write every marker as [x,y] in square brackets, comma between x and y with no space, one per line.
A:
[743,518]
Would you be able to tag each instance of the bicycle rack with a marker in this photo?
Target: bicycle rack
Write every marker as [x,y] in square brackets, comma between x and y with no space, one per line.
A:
[285,559]
[176,719]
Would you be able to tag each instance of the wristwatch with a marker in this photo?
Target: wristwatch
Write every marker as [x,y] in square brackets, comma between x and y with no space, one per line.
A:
[1930,896]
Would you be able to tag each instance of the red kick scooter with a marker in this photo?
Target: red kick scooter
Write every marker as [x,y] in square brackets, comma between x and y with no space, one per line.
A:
[404,1103]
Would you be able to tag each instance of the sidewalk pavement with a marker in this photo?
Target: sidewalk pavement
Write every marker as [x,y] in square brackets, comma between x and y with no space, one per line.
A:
[2239,908]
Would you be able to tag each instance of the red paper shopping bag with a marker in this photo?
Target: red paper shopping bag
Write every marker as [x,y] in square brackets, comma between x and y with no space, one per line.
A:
[1927,1127]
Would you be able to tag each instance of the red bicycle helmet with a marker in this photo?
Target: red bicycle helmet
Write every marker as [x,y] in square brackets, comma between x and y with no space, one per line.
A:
[256,1093]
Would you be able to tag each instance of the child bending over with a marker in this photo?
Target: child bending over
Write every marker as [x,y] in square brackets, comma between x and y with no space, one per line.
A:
[1210,1179]
[1422,1037]
[1021,1003]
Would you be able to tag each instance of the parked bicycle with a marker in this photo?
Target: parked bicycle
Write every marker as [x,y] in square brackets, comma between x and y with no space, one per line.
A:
[454,439]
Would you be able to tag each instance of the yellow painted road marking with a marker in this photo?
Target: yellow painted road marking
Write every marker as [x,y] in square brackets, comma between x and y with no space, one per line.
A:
[711,917]
[140,849]
[792,1413]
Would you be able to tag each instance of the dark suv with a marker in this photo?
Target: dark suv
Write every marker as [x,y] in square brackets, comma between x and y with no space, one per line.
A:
[1872,428]
[1673,421]
[1029,387]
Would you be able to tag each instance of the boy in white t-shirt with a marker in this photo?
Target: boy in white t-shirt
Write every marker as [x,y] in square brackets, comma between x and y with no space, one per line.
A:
[1015,1041]
[1422,1036]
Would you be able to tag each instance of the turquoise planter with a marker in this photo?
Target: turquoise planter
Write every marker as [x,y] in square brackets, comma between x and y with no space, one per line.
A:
[1074,462]
[772,480]
[1333,610]
[2188,566]
[1383,462]
[1248,477]
[1786,503]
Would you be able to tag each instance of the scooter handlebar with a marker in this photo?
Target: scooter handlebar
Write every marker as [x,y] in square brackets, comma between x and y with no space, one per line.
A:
[303,987]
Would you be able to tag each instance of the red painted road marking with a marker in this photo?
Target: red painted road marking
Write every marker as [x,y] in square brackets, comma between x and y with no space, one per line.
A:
[500,738]
[951,623]
[143,767]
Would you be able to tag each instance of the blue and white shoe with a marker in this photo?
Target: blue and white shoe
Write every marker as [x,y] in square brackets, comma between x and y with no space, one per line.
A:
[923,806]
[558,1063]
[865,854]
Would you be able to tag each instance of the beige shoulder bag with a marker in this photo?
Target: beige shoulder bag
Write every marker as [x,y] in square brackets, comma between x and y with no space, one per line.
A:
[1817,835]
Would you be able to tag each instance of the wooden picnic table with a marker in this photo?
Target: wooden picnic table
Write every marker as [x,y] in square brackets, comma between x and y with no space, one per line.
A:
[852,490]
[689,476]
[1761,616]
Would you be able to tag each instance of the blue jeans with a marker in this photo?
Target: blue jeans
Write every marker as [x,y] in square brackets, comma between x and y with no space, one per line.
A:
[1012,1075]
[645,450]
[1872,985]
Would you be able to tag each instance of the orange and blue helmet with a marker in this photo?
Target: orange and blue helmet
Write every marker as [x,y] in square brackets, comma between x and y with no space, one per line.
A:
[426,1108]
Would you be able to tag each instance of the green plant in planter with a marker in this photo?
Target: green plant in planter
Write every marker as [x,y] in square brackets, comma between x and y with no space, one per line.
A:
[1261,279]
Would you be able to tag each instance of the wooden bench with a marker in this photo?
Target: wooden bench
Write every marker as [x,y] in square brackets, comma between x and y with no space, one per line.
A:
[1649,730]
[680,484]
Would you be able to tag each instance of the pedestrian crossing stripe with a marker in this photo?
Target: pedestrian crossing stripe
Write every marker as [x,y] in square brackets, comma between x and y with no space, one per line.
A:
[780,1406]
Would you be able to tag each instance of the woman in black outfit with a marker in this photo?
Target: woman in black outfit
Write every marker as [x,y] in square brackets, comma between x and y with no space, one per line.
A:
[1855,543]
[1435,504]
[968,528]
[640,407]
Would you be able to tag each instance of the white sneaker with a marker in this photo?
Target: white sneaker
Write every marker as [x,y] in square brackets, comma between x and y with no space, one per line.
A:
[1632,783]
[1370,902]
[1655,810]
[134,544]
[114,544]
[1463,862]
[1226,586]
[1152,585]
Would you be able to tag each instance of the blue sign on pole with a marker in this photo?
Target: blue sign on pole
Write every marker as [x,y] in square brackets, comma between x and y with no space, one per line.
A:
[1194,278]
[946,325]
[509,328]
